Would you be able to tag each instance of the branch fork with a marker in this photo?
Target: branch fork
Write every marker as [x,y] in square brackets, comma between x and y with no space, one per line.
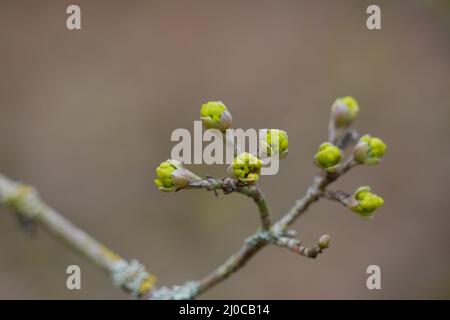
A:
[132,276]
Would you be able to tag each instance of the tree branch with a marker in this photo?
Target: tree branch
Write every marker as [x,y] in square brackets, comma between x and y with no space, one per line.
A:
[172,176]
[25,202]
[131,276]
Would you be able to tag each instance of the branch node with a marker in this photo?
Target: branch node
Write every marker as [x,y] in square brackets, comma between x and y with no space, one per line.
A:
[132,277]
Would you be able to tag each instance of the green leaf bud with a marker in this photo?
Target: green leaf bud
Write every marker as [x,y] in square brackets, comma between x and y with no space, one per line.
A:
[328,157]
[365,202]
[369,150]
[344,111]
[172,176]
[275,142]
[215,115]
[246,167]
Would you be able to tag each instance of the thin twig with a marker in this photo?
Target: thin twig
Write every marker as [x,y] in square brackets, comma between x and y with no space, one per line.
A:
[257,241]
[339,196]
[296,246]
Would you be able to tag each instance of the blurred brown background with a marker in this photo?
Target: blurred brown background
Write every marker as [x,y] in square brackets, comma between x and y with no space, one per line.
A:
[86,116]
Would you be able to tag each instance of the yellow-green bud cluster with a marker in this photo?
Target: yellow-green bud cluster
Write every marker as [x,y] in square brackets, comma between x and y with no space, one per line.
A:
[344,111]
[276,143]
[171,176]
[365,202]
[369,150]
[215,115]
[328,157]
[246,167]
[164,176]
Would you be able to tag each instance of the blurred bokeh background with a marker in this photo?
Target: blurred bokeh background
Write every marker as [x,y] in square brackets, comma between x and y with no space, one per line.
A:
[86,116]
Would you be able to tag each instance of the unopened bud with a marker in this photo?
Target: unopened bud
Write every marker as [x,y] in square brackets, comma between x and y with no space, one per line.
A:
[215,115]
[369,150]
[365,202]
[344,111]
[246,167]
[274,142]
[324,241]
[172,176]
[328,157]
